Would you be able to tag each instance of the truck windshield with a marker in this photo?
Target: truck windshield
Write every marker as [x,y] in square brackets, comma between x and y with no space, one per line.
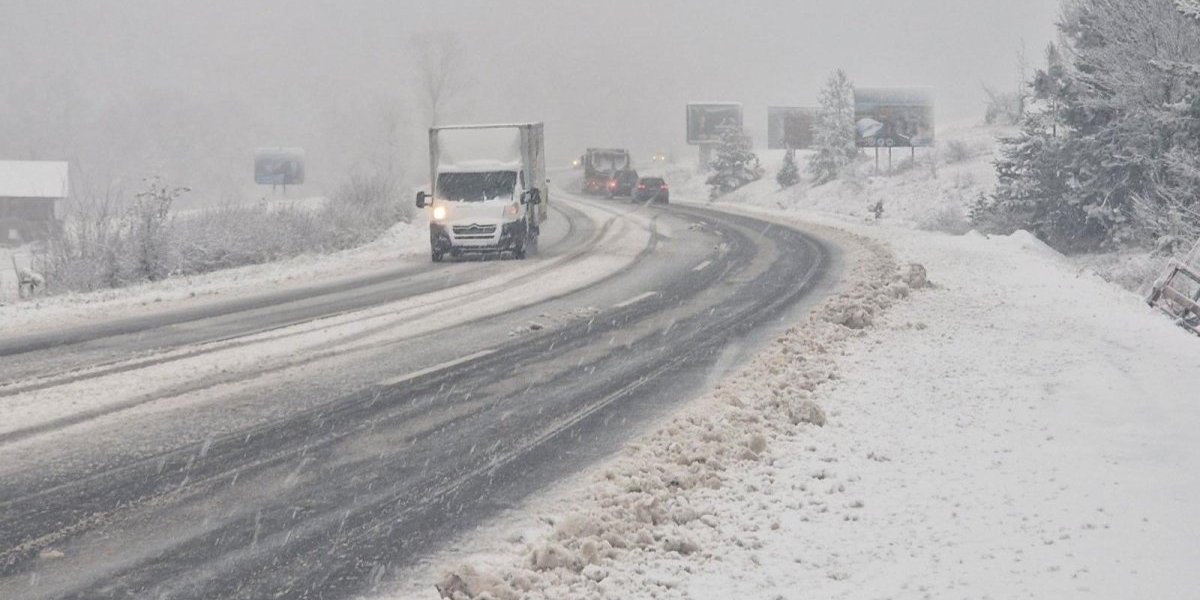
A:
[476,187]
[609,161]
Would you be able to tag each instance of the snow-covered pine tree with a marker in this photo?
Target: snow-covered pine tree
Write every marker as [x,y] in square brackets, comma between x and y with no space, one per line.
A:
[1110,154]
[789,173]
[734,165]
[1033,191]
[834,137]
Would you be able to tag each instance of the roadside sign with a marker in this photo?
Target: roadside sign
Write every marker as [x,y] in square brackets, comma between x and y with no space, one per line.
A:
[894,117]
[279,166]
[705,120]
[790,127]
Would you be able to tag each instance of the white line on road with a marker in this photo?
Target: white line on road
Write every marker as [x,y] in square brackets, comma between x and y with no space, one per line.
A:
[636,299]
[702,266]
[434,369]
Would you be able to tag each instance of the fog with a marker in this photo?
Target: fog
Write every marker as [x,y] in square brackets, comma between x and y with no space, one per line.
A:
[187,90]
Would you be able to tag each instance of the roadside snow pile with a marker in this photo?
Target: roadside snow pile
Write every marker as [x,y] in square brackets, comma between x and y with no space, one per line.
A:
[668,497]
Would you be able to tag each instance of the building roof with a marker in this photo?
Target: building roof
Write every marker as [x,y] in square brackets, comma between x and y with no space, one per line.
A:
[34,179]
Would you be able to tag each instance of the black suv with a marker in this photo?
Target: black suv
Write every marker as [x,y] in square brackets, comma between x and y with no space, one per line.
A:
[652,189]
[622,183]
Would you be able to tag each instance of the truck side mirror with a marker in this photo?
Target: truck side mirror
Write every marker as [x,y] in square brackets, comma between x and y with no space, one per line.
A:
[532,197]
[421,195]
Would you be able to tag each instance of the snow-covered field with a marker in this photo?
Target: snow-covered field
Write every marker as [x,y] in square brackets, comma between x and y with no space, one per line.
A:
[1019,428]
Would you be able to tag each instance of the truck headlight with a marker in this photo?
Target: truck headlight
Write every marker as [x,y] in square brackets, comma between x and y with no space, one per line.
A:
[512,210]
[439,213]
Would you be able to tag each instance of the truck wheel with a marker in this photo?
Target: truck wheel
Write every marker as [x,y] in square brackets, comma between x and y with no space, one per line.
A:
[436,255]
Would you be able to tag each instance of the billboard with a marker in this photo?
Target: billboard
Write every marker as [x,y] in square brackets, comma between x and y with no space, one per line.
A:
[279,166]
[705,120]
[790,127]
[887,117]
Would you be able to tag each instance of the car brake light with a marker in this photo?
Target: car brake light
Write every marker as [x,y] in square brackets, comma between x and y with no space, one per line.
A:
[664,186]
[641,186]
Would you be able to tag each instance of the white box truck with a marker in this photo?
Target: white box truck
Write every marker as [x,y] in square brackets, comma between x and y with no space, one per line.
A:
[489,191]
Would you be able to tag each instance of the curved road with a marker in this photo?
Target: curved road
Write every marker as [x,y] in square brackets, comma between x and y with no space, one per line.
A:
[312,444]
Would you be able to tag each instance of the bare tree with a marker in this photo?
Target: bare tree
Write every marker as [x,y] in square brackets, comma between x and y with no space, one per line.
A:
[439,72]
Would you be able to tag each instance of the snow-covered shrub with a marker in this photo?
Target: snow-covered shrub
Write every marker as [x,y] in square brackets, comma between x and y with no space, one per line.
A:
[149,226]
[956,151]
[108,243]
[86,252]
[362,208]
[789,173]
[236,235]
[947,218]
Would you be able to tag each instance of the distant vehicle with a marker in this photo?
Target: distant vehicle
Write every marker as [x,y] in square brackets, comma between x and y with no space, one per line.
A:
[622,183]
[600,165]
[490,192]
[652,189]
[659,157]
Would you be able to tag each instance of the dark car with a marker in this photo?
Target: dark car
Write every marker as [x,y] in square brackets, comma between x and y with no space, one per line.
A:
[622,182]
[652,189]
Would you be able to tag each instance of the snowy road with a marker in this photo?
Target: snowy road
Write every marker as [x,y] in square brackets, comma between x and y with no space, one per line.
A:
[310,443]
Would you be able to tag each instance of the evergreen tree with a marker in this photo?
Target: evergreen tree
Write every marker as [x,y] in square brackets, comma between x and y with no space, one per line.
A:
[735,164]
[1109,155]
[1033,191]
[789,173]
[834,134]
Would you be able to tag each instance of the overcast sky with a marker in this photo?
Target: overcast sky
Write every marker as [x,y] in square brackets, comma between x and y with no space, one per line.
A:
[599,73]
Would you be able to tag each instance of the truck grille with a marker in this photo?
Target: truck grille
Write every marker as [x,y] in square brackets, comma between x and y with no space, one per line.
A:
[474,232]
